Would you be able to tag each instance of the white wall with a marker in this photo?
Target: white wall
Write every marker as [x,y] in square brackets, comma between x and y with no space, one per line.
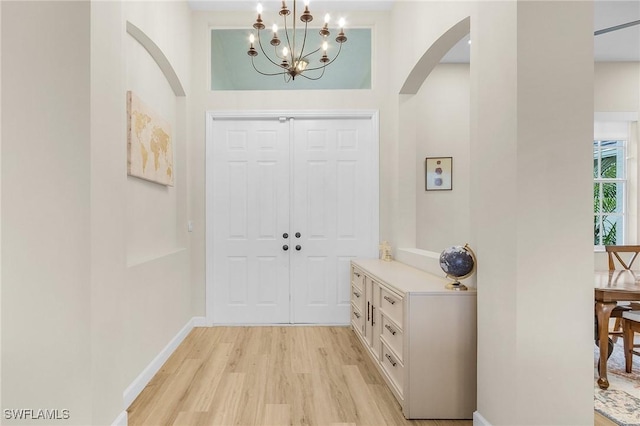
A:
[141,290]
[617,89]
[442,107]
[416,26]
[205,100]
[531,89]
[616,86]
[151,208]
[520,108]
[0,203]
[45,208]
[95,268]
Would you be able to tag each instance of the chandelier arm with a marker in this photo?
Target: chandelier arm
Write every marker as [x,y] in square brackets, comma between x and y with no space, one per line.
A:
[265,53]
[276,54]
[310,53]
[294,62]
[264,73]
[304,40]
[292,48]
[314,78]
[328,63]
[286,29]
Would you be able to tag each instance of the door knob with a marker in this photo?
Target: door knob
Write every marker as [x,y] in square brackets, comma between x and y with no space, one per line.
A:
[297,235]
[285,235]
[285,247]
[298,247]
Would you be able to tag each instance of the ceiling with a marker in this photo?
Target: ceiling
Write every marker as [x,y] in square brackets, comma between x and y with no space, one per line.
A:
[250,5]
[620,45]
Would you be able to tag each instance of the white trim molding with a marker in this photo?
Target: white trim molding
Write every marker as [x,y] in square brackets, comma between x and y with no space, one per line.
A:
[212,116]
[121,420]
[160,58]
[478,420]
[134,389]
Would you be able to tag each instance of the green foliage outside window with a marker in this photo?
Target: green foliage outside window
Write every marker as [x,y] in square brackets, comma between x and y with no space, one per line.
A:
[608,192]
[605,201]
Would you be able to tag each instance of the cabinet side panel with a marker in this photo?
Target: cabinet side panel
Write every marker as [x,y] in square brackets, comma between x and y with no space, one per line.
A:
[442,356]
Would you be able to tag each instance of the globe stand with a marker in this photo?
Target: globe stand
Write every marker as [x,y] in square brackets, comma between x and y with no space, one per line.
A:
[456,286]
[454,275]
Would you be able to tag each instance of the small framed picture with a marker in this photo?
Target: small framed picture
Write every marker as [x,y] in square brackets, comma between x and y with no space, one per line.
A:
[438,173]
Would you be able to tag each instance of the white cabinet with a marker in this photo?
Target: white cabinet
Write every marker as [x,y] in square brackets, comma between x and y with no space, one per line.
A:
[421,337]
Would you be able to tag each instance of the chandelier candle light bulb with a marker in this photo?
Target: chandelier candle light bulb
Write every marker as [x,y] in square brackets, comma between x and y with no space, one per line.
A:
[297,58]
[275,41]
[252,51]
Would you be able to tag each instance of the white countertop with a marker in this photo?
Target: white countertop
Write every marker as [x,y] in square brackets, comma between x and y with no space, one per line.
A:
[407,279]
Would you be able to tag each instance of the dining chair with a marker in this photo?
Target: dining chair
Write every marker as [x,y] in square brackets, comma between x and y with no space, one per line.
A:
[613,252]
[630,326]
[622,257]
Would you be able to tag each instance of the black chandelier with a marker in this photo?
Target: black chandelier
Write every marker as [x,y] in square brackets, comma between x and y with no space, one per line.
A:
[292,60]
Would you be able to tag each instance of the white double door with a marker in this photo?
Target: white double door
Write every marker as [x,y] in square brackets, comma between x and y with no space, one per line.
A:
[290,201]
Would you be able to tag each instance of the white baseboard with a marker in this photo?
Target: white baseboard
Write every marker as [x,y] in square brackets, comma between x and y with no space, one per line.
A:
[478,420]
[134,389]
[121,420]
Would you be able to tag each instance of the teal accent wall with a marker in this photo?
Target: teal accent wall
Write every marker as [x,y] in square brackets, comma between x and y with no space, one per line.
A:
[231,67]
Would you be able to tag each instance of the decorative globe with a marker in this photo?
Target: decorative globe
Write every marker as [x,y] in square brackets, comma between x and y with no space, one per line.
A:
[458,262]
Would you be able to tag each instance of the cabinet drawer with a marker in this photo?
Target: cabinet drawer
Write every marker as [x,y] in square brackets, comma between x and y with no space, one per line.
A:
[392,336]
[393,367]
[357,320]
[357,278]
[391,305]
[357,297]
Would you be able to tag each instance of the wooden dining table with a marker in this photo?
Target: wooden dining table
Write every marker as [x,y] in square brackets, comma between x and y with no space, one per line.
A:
[611,287]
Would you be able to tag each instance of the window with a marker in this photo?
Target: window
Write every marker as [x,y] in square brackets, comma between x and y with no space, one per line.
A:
[609,191]
[231,67]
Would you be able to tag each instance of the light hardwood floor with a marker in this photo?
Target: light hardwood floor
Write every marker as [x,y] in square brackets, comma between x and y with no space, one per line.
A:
[270,376]
[600,420]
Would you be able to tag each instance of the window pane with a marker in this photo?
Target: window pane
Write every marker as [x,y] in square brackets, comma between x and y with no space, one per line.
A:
[612,159]
[231,67]
[609,163]
[611,198]
[596,159]
[611,230]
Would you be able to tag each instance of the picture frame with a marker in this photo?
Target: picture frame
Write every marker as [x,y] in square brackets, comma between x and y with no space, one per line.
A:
[438,173]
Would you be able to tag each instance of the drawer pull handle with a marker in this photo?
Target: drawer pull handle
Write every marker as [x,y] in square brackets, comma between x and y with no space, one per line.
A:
[356,294]
[356,314]
[391,330]
[390,300]
[391,361]
[357,274]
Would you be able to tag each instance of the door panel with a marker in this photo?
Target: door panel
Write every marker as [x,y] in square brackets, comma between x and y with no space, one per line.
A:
[248,213]
[333,209]
[266,177]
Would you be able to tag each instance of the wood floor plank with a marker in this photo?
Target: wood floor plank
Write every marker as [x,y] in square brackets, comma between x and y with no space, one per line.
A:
[226,404]
[367,407]
[270,376]
[165,407]
[203,390]
[191,418]
[276,415]
[252,398]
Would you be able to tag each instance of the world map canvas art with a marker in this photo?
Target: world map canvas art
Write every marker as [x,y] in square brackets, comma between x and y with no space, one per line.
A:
[149,146]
